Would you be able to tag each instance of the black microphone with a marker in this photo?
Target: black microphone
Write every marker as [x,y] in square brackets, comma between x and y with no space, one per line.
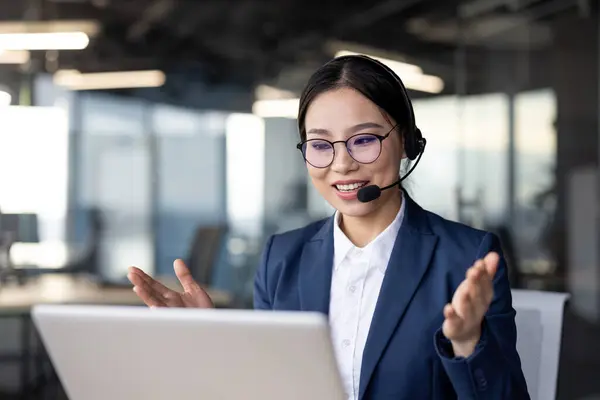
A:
[372,192]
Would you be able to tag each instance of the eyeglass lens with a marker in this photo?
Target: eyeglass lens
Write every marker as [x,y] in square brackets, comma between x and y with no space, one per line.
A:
[363,148]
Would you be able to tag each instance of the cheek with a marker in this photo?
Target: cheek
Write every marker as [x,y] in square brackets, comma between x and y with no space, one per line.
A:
[388,163]
[317,175]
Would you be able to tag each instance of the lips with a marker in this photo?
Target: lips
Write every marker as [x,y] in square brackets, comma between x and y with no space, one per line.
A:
[349,187]
[348,190]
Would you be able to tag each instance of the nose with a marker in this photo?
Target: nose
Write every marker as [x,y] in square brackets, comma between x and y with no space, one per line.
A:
[342,161]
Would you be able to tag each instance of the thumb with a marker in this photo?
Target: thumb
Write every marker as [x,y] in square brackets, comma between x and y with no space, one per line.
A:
[491,261]
[453,324]
[184,275]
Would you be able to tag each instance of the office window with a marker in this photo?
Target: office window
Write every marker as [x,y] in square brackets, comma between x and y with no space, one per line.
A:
[535,159]
[34,166]
[467,150]
[190,177]
[115,177]
[245,173]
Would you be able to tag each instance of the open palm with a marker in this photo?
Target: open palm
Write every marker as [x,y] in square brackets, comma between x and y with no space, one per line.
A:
[155,294]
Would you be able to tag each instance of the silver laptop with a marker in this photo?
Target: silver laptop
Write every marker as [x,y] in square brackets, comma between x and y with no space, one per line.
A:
[102,352]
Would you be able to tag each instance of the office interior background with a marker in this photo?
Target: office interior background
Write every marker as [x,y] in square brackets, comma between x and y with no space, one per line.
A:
[134,132]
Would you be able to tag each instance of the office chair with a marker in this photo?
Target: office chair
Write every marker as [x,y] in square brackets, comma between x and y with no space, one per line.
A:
[539,323]
[204,250]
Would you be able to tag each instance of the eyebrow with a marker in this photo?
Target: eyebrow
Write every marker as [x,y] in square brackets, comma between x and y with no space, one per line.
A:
[355,128]
[364,125]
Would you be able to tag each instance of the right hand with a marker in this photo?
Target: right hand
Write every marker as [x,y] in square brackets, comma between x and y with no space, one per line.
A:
[155,294]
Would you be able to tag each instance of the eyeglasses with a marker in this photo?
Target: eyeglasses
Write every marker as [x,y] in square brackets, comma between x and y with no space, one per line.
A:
[364,148]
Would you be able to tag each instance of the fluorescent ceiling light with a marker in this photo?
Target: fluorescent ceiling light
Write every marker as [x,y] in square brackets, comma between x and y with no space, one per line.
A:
[75,80]
[424,83]
[88,27]
[412,75]
[280,108]
[266,92]
[397,66]
[14,56]
[44,41]
[5,98]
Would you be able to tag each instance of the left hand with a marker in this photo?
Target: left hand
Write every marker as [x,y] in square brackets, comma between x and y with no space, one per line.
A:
[464,316]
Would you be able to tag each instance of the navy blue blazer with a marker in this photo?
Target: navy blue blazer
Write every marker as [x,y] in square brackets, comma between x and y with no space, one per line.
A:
[406,355]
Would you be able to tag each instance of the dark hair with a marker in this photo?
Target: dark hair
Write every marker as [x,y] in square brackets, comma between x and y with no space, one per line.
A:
[367,77]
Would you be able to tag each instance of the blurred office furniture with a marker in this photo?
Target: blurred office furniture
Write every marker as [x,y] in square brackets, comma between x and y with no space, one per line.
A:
[24,226]
[204,251]
[508,248]
[470,211]
[68,289]
[16,301]
[6,242]
[15,228]
[226,260]
[87,259]
[539,323]
[583,278]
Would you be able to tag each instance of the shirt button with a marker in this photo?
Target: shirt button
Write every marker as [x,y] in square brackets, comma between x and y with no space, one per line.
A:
[346,343]
[352,289]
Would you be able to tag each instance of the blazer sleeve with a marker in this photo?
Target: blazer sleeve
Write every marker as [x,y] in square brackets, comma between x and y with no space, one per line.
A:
[493,371]
[262,297]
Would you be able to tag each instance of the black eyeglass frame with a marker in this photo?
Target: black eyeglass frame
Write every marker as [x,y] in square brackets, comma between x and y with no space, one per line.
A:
[381,138]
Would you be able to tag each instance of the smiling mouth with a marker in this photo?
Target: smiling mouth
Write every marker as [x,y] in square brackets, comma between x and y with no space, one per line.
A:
[350,187]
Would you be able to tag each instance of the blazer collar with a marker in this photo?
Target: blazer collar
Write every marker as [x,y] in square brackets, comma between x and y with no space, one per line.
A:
[409,261]
[316,265]
[316,259]
[408,264]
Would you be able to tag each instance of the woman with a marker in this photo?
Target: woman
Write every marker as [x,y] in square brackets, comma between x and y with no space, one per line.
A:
[420,307]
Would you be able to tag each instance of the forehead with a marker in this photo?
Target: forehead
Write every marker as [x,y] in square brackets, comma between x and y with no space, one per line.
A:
[338,110]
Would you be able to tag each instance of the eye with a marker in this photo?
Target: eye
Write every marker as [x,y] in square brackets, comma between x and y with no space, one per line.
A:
[364,140]
[319,145]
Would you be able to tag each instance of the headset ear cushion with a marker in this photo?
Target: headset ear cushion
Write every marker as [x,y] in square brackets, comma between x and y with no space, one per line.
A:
[414,144]
[409,144]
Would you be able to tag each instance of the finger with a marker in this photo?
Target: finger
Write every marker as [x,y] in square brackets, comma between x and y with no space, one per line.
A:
[149,298]
[491,261]
[137,277]
[484,281]
[449,312]
[453,324]
[140,278]
[475,284]
[185,277]
[480,298]
[477,273]
[464,305]
[151,295]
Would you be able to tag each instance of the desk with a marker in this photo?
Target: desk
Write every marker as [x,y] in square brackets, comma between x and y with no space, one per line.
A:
[17,301]
[68,289]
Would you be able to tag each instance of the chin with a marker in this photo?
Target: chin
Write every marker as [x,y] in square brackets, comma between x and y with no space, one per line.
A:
[353,208]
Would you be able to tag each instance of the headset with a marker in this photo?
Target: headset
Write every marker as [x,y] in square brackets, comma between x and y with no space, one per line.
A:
[414,142]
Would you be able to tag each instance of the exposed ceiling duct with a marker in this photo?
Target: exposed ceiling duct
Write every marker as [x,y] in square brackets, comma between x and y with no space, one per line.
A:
[250,42]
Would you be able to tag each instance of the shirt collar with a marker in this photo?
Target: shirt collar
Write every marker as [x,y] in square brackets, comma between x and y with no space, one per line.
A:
[381,246]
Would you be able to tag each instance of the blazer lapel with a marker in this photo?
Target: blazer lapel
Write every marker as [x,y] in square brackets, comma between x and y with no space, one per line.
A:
[408,263]
[316,265]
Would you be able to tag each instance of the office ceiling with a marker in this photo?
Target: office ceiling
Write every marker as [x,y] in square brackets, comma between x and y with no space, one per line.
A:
[250,41]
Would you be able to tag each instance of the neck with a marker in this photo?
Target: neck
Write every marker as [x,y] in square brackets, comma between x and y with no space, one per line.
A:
[362,230]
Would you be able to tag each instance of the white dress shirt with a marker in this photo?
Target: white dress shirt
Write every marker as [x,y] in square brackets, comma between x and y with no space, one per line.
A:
[356,281]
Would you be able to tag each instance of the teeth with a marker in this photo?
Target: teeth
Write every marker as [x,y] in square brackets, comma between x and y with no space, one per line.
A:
[350,187]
